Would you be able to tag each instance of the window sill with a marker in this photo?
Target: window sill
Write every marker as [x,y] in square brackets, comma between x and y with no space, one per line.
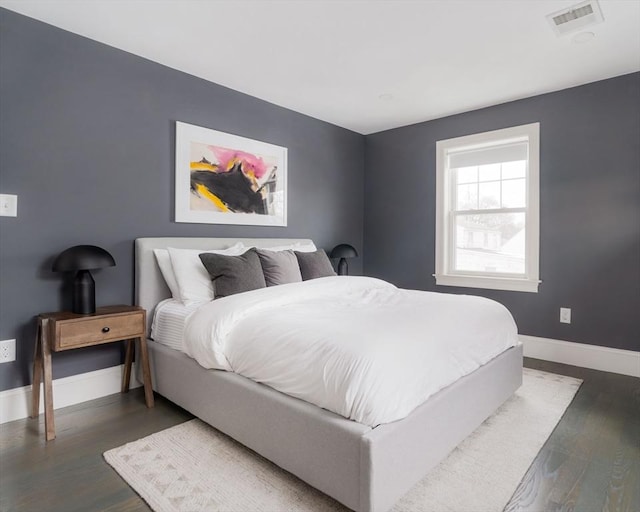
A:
[489,283]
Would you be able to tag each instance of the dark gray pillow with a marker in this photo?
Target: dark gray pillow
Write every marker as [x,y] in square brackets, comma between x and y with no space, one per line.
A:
[314,264]
[279,267]
[234,274]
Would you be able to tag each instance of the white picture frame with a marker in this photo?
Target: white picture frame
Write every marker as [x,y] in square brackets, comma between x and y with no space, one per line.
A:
[227,179]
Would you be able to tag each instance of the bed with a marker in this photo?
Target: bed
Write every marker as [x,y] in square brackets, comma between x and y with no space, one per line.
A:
[365,468]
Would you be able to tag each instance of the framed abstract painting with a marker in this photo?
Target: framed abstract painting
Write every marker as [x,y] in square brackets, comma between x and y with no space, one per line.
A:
[227,179]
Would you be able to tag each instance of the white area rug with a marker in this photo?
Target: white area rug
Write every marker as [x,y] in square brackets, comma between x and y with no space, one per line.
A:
[193,467]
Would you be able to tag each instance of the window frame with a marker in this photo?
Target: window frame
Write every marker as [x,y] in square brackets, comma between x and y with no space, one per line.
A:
[445,225]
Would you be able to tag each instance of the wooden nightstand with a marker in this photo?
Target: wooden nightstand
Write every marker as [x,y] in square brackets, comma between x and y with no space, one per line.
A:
[66,331]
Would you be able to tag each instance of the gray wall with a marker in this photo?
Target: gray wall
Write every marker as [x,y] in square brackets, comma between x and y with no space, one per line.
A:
[589,204]
[86,141]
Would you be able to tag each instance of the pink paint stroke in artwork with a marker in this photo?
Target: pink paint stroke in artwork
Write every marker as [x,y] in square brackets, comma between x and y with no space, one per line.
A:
[251,164]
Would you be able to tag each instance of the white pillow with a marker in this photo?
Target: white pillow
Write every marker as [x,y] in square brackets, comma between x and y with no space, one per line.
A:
[297,246]
[194,282]
[164,262]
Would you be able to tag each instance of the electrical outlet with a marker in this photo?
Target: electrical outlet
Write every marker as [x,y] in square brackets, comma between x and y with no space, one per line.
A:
[7,351]
[565,315]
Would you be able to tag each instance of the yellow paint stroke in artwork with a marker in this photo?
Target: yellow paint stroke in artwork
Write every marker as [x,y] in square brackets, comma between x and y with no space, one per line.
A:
[232,162]
[203,166]
[205,192]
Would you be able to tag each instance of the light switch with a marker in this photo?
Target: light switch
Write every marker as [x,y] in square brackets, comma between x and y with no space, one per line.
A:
[8,205]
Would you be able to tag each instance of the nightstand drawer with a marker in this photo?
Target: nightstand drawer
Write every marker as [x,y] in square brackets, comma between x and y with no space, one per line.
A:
[72,334]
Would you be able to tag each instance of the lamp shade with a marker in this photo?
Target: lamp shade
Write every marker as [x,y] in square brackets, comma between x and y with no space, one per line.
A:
[83,257]
[343,251]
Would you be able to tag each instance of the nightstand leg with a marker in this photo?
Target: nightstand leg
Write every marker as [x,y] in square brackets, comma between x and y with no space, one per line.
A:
[146,372]
[49,421]
[37,372]
[128,361]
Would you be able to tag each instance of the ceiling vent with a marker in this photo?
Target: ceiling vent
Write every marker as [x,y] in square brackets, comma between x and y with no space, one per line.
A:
[577,17]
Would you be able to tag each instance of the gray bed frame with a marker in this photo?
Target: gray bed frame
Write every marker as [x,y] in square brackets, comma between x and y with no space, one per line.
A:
[367,469]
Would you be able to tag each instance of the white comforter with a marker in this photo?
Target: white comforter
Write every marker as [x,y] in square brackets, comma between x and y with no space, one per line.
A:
[357,346]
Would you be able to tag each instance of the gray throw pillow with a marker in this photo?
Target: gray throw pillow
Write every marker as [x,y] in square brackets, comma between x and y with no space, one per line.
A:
[234,274]
[314,264]
[279,267]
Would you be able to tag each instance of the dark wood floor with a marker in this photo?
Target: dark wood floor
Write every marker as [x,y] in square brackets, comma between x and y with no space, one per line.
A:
[591,462]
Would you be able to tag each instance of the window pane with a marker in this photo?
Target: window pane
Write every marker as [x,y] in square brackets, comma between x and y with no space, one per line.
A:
[514,169]
[467,197]
[489,172]
[489,193]
[514,193]
[467,174]
[487,242]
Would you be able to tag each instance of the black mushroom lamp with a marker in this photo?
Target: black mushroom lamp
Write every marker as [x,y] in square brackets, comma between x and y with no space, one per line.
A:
[343,251]
[83,258]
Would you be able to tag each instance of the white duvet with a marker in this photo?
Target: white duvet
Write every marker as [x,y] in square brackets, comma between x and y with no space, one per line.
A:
[357,346]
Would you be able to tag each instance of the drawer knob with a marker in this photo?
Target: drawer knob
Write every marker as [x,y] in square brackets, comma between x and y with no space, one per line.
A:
[105,329]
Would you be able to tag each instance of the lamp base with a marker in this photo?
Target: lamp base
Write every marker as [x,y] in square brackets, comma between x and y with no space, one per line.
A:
[343,267]
[84,293]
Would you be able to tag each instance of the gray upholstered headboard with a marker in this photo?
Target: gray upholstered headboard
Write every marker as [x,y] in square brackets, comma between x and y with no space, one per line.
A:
[150,287]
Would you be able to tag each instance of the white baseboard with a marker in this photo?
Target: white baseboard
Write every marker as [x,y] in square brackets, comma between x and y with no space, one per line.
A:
[615,360]
[15,403]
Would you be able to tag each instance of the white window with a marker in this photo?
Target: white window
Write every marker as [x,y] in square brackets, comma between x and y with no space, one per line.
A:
[487,210]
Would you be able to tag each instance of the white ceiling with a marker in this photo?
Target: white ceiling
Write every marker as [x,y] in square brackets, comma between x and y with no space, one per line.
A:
[365,65]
